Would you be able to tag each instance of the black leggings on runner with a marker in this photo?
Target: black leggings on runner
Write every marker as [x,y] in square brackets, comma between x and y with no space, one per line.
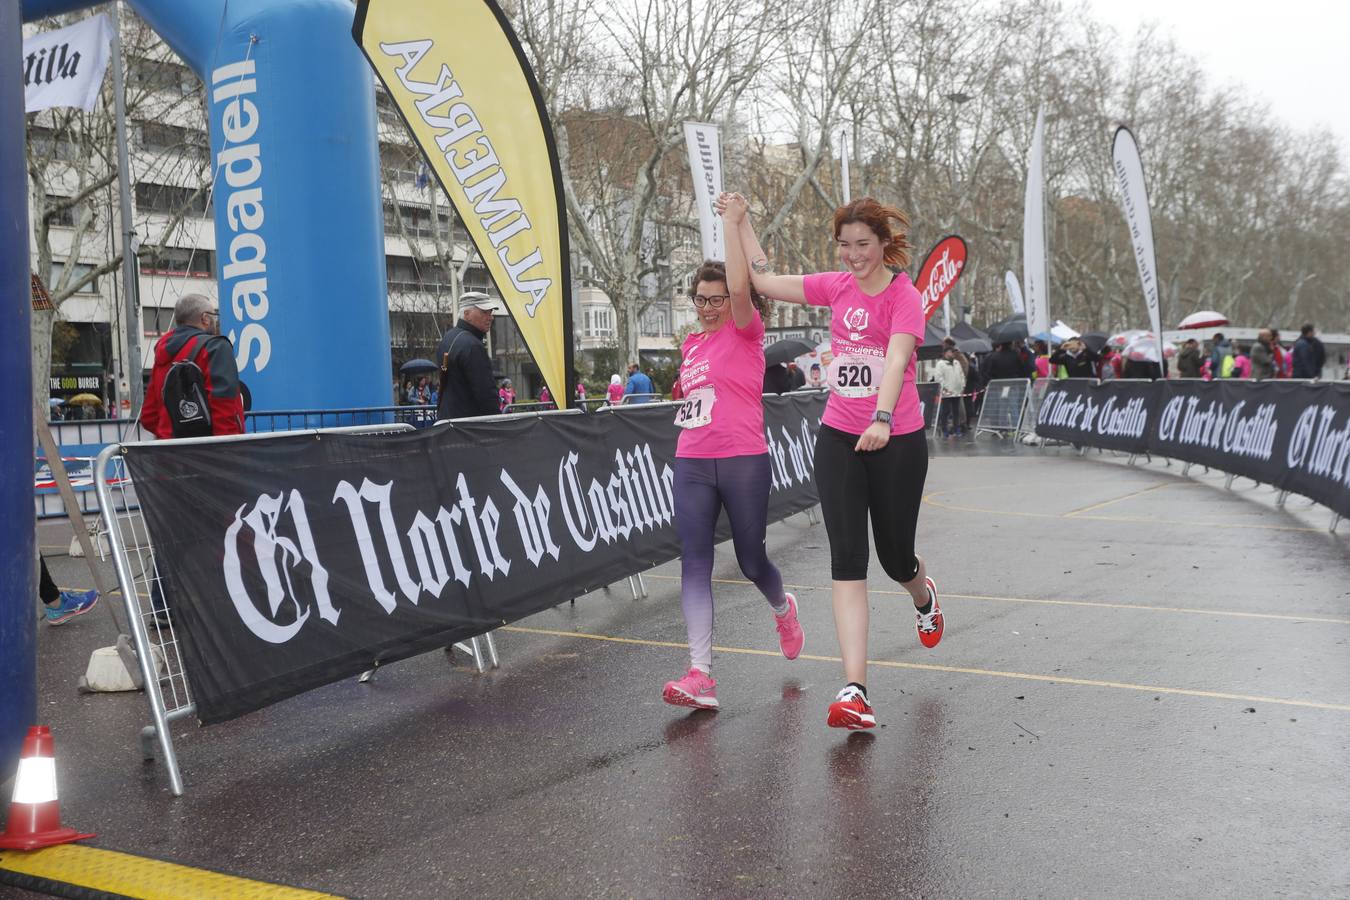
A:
[888,483]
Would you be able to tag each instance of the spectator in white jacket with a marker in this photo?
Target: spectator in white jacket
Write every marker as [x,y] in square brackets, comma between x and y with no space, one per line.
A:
[952,379]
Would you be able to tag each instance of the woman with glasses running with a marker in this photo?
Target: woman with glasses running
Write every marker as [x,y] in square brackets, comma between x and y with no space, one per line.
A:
[722,462]
[871,453]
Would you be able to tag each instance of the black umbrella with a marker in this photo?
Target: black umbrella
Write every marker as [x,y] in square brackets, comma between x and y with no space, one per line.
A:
[1094,340]
[786,351]
[973,345]
[931,348]
[417,367]
[964,331]
[1013,328]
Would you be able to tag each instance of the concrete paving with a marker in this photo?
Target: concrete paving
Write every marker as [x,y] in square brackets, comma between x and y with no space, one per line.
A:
[1144,690]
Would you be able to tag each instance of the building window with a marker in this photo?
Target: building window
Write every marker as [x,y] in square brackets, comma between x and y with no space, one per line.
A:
[78,272]
[415,220]
[153,75]
[196,263]
[45,144]
[172,199]
[160,137]
[415,276]
[65,217]
[156,320]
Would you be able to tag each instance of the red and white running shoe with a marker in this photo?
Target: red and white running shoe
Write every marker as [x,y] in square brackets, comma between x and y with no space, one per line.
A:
[790,636]
[851,710]
[930,626]
[696,689]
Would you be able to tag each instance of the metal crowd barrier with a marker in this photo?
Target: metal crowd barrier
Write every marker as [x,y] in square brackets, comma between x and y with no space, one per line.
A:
[260,421]
[1005,403]
[156,641]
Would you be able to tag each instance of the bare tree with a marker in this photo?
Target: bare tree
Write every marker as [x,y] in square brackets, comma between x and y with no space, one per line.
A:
[71,159]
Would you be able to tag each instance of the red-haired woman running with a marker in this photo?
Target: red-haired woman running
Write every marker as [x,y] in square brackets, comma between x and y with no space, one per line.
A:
[871,452]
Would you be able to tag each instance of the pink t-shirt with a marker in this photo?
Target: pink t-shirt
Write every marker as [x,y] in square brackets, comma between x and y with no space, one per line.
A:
[730,362]
[861,326]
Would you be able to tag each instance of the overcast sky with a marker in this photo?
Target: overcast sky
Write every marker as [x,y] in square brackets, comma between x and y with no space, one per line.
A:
[1294,54]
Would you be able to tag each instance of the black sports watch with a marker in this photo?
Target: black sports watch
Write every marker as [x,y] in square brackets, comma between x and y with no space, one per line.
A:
[881,416]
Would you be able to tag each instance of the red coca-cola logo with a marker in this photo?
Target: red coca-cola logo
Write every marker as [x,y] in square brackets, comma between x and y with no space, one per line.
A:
[939,271]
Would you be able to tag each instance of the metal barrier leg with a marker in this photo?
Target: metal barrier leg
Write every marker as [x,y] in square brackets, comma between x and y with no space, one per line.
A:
[492,651]
[632,586]
[1279,501]
[367,677]
[1130,461]
[642,586]
[1335,520]
[1228,482]
[477,654]
[1186,469]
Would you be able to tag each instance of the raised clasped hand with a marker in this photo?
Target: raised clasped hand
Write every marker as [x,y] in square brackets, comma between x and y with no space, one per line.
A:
[732,207]
[877,435]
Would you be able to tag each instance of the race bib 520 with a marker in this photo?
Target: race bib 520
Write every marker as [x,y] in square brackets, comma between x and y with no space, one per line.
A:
[856,375]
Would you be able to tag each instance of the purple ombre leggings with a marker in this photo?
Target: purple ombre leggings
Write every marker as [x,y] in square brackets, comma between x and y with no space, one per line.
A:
[703,488]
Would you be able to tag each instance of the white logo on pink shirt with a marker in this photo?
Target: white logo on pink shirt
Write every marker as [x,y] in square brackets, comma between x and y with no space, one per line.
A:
[855,319]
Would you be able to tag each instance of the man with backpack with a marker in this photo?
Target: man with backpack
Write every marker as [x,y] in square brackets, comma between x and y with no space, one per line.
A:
[194,385]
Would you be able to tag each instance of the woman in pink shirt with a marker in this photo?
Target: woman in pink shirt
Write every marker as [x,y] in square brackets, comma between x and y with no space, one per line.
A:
[871,452]
[615,390]
[722,462]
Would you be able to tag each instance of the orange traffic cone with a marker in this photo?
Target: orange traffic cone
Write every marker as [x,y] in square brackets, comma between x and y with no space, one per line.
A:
[35,815]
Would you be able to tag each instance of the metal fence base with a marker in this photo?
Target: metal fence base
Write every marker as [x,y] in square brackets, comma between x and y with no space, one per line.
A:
[153,632]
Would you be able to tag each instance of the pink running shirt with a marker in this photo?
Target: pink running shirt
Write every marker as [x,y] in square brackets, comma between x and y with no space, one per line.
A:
[862,326]
[730,360]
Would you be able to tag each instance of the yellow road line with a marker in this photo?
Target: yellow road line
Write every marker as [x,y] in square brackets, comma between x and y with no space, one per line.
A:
[931,500]
[125,875]
[1074,512]
[958,670]
[1231,613]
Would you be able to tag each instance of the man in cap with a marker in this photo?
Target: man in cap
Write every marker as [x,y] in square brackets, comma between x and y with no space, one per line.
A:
[467,385]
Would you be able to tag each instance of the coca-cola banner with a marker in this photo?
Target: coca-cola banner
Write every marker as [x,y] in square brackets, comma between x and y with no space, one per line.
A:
[1111,415]
[1292,435]
[295,561]
[939,271]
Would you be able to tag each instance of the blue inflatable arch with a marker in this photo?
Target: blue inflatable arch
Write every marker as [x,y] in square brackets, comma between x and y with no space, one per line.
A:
[299,224]
[299,237]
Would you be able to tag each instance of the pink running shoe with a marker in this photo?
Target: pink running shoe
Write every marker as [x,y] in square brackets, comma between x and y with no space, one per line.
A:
[790,636]
[696,689]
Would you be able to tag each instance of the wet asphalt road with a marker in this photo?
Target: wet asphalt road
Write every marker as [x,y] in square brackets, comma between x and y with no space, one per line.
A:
[1144,690]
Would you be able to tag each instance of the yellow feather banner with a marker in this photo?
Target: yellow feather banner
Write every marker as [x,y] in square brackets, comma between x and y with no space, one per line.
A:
[458,76]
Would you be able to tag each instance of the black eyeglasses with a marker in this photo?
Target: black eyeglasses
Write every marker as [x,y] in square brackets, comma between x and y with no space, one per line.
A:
[715,301]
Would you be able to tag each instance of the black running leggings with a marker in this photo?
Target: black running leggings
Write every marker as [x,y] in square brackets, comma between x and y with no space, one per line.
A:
[888,483]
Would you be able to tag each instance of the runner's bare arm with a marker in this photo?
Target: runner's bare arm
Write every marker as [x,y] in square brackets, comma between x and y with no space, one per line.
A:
[788,288]
[738,272]
[898,351]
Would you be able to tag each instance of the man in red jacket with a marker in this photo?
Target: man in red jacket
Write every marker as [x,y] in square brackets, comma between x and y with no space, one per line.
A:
[196,323]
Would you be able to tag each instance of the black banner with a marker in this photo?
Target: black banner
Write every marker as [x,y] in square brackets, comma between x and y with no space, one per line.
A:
[294,561]
[1114,415]
[1290,434]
